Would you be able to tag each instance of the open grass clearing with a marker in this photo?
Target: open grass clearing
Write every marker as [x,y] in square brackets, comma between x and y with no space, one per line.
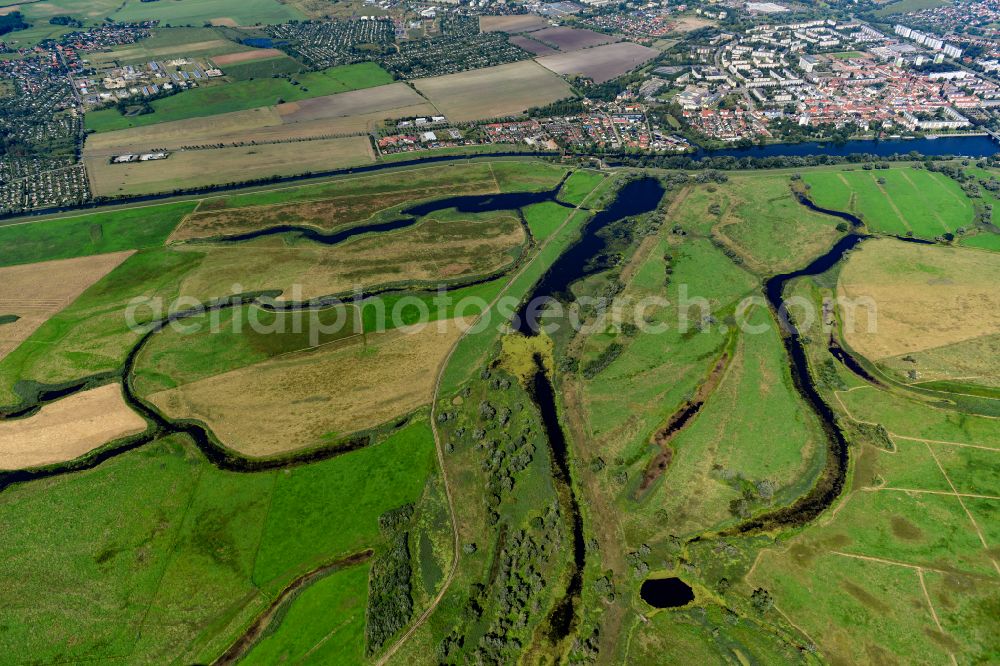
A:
[68,428]
[219,166]
[324,394]
[244,95]
[493,92]
[927,297]
[600,63]
[36,292]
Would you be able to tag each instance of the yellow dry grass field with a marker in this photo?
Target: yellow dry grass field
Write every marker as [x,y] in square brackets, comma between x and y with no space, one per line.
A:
[218,166]
[512,24]
[308,398]
[35,292]
[67,429]
[431,251]
[927,296]
[493,92]
[344,113]
[224,21]
[324,215]
[246,56]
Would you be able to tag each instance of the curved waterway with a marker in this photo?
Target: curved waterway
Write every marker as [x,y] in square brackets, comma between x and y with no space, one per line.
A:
[831,481]
[583,258]
[466,203]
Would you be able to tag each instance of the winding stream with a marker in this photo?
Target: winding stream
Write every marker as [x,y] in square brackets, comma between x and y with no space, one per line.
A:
[214,451]
[834,475]
[582,259]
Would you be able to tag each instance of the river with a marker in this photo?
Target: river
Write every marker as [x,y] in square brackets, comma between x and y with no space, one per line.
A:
[965,146]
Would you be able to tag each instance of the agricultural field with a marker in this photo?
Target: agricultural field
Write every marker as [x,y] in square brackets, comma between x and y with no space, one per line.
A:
[244,95]
[571,39]
[217,12]
[512,24]
[901,201]
[600,63]
[187,169]
[493,92]
[174,42]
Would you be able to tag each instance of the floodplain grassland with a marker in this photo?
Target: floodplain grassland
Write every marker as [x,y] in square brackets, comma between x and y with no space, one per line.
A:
[493,92]
[766,225]
[340,202]
[187,169]
[908,563]
[315,397]
[441,248]
[306,631]
[580,183]
[92,334]
[86,234]
[32,293]
[925,313]
[243,95]
[67,429]
[899,201]
[177,557]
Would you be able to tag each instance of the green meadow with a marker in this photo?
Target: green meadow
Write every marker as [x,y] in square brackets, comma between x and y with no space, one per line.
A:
[242,95]
[910,201]
[324,624]
[176,556]
[90,233]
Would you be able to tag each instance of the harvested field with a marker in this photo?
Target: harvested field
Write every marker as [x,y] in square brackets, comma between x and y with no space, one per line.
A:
[532,46]
[343,113]
[571,39]
[35,292]
[324,394]
[228,22]
[600,63]
[245,56]
[381,98]
[493,92]
[327,215]
[67,429]
[926,297]
[512,24]
[440,247]
[217,166]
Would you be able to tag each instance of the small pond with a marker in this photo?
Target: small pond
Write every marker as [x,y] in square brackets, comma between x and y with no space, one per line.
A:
[666,592]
